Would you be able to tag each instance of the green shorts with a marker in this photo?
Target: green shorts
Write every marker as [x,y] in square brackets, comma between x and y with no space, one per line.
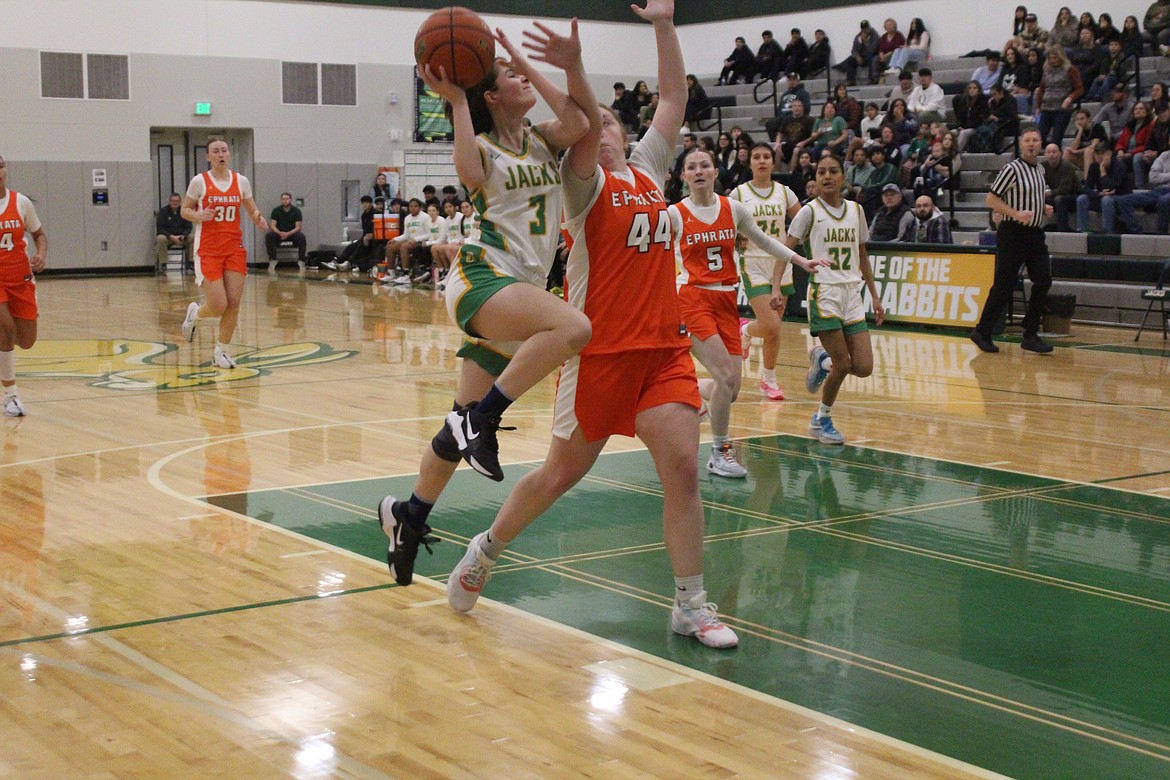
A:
[471,281]
[835,307]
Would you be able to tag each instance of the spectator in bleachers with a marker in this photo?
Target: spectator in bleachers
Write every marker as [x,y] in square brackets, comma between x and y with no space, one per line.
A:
[903,123]
[869,129]
[902,90]
[792,133]
[1158,197]
[450,196]
[795,92]
[1018,79]
[1106,181]
[1158,142]
[797,53]
[891,147]
[1157,24]
[829,133]
[646,115]
[892,217]
[915,50]
[1087,137]
[861,54]
[928,225]
[770,60]
[707,144]
[1131,37]
[1133,140]
[987,74]
[429,196]
[870,196]
[724,151]
[1116,113]
[623,104]
[858,175]
[642,94]
[381,188]
[936,170]
[1087,57]
[1034,36]
[848,108]
[1087,22]
[803,174]
[1106,32]
[1063,180]
[927,102]
[1065,31]
[698,104]
[818,54]
[1003,120]
[890,41]
[1059,90]
[971,112]
[741,63]
[739,171]
[673,190]
[1117,69]
[1019,20]
[1158,95]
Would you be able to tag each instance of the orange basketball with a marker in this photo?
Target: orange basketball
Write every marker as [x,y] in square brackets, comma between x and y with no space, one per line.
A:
[459,41]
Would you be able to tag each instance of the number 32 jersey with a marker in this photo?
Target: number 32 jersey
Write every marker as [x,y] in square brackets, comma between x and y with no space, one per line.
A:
[835,235]
[221,235]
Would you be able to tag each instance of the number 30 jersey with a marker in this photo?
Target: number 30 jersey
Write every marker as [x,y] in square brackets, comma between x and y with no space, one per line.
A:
[835,235]
[621,262]
[221,235]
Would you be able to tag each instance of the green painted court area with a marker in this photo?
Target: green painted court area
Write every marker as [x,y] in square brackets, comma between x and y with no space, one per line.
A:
[1017,623]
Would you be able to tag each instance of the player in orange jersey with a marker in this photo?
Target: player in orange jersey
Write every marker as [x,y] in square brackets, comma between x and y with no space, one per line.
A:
[635,376]
[213,202]
[706,225]
[18,291]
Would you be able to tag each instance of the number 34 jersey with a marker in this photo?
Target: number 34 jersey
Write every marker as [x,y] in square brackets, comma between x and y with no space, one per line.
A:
[621,264]
[221,235]
[836,234]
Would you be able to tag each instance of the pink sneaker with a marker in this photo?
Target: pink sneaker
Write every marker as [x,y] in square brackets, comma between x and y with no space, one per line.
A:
[744,339]
[771,390]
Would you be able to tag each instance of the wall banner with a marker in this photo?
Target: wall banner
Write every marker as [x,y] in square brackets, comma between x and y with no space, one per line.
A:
[932,284]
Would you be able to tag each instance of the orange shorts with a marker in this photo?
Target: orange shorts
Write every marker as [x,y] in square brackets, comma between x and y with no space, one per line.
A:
[709,312]
[21,299]
[211,267]
[603,394]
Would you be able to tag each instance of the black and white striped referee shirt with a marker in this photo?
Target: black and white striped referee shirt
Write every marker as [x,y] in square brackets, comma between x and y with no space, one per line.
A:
[1022,187]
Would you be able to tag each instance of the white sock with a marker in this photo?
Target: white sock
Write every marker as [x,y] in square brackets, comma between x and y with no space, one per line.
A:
[689,590]
[8,366]
[491,546]
[768,375]
[825,411]
[718,441]
[221,347]
[10,391]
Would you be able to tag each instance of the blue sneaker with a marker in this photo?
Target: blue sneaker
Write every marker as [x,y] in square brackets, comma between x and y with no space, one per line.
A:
[816,373]
[823,431]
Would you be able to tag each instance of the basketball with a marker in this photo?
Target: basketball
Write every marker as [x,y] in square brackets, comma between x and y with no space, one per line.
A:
[459,41]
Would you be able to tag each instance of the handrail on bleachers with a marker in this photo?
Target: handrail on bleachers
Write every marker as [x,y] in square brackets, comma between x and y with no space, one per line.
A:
[717,103]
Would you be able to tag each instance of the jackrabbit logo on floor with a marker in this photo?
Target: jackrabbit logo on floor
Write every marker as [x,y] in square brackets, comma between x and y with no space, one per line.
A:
[124,364]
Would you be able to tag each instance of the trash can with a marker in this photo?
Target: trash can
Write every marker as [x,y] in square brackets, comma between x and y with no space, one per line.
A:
[1058,314]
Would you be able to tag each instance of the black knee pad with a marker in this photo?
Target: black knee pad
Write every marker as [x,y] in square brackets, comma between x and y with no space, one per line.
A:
[444,444]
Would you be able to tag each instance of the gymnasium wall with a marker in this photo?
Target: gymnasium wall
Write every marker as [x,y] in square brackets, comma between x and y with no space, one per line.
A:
[229,52]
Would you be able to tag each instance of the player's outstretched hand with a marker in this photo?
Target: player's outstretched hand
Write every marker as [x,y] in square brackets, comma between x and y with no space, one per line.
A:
[556,50]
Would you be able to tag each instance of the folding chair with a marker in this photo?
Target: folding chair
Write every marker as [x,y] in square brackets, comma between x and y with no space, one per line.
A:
[1157,293]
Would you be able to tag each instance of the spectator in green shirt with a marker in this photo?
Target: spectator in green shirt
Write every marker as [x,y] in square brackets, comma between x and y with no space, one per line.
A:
[284,224]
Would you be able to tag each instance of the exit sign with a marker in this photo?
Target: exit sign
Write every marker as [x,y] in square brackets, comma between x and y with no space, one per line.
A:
[202,109]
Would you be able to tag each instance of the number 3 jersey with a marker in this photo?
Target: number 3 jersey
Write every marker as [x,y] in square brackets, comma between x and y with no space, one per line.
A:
[221,235]
[519,205]
[620,270]
[834,234]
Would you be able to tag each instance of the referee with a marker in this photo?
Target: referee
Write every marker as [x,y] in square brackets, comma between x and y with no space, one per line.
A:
[1018,196]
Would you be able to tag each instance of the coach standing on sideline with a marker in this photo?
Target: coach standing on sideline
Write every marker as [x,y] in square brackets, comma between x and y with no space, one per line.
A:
[1018,196]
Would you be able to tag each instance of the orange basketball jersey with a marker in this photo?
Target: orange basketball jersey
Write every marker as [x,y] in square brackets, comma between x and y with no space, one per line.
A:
[708,250]
[620,270]
[14,265]
[221,236]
